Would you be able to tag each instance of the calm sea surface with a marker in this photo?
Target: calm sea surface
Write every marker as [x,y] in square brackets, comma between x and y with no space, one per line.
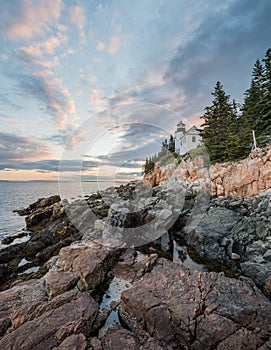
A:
[18,195]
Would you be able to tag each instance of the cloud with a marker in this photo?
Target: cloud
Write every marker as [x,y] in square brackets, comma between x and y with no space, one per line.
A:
[100,46]
[17,149]
[94,98]
[4,56]
[77,17]
[235,32]
[26,19]
[43,73]
[40,53]
[48,90]
[130,145]
[7,118]
[113,45]
[27,153]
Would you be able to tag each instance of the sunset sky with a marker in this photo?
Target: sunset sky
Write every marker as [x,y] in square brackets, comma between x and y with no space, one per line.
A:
[76,73]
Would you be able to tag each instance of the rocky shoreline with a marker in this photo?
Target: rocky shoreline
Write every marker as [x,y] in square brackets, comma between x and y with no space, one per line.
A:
[70,288]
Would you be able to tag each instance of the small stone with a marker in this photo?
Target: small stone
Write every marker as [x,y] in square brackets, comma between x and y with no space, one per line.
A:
[235,256]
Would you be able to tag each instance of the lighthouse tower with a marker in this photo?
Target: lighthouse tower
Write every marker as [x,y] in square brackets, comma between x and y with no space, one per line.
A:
[179,135]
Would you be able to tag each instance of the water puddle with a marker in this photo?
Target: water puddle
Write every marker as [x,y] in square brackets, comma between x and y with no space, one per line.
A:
[111,297]
[30,270]
[23,262]
[21,238]
[181,256]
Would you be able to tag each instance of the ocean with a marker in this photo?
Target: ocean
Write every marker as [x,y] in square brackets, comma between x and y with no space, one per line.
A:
[18,195]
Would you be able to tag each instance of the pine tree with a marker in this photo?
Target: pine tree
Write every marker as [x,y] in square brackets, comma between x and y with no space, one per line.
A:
[218,123]
[171,145]
[148,166]
[234,148]
[263,122]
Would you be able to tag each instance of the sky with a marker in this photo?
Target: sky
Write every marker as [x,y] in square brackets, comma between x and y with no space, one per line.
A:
[90,88]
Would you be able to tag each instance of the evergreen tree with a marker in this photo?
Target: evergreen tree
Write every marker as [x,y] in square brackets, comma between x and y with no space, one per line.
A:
[263,122]
[165,145]
[218,124]
[234,148]
[148,166]
[171,145]
[257,73]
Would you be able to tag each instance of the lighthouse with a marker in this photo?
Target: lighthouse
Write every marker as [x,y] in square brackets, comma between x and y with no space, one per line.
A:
[186,140]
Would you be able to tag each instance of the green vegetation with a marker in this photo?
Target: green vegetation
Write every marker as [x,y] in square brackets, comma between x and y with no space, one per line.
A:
[228,128]
[166,156]
[199,151]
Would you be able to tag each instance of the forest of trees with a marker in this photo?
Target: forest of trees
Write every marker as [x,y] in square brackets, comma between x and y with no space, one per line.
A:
[227,126]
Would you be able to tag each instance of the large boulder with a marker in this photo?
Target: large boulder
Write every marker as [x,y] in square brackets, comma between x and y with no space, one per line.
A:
[184,308]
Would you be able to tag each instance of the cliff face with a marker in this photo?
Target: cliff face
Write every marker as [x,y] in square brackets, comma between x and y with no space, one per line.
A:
[247,177]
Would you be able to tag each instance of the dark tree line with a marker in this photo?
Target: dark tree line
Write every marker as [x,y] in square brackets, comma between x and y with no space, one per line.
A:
[168,147]
[227,127]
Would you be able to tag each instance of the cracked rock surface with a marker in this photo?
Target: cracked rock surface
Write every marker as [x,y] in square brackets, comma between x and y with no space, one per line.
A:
[197,310]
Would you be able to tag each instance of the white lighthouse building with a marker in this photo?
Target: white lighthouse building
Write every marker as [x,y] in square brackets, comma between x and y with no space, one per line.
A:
[186,139]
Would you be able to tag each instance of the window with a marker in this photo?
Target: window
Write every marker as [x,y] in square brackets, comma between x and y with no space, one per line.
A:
[193,138]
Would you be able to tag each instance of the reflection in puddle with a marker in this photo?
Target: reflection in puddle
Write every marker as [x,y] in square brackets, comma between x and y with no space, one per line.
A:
[113,293]
[23,262]
[181,256]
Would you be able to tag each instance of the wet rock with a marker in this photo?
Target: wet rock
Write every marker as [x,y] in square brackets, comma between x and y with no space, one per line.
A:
[38,249]
[10,239]
[52,327]
[197,310]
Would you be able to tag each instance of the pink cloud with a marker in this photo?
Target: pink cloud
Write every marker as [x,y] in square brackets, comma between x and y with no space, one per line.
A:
[39,49]
[43,73]
[63,107]
[29,18]
[77,17]
[114,45]
[95,99]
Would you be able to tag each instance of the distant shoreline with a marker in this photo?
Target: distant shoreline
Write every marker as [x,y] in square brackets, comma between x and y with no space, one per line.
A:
[124,181]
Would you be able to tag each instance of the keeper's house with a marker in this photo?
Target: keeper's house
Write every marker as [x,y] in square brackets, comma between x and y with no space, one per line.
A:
[187,140]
